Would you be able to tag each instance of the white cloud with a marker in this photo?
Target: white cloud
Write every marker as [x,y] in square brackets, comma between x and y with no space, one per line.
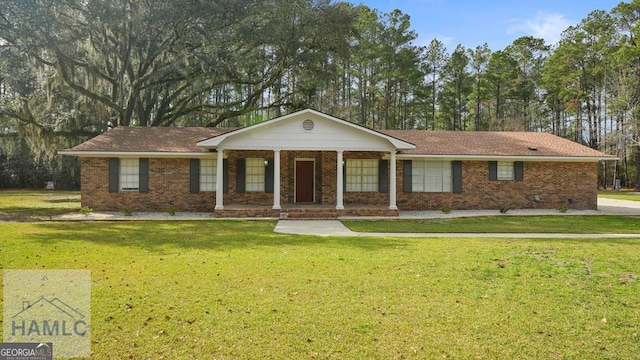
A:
[546,26]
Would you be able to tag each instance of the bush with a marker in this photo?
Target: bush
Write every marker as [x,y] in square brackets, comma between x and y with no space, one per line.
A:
[172,210]
[85,210]
[126,212]
[446,209]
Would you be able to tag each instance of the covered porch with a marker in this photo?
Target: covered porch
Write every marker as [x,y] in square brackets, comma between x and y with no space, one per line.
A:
[313,166]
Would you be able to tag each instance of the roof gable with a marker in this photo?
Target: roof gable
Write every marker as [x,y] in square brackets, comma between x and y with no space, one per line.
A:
[307,130]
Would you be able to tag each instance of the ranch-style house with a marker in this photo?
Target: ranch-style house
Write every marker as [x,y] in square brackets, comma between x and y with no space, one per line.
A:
[310,164]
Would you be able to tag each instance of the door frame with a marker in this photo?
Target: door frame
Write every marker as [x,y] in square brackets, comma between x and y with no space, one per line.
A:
[295,178]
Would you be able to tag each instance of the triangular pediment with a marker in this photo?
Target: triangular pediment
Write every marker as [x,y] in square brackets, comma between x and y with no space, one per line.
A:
[306,130]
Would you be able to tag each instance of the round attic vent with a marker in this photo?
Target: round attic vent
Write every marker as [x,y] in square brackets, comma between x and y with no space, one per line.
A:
[307,125]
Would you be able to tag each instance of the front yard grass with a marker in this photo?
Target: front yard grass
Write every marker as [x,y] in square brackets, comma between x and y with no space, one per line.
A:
[30,205]
[577,224]
[236,290]
[619,195]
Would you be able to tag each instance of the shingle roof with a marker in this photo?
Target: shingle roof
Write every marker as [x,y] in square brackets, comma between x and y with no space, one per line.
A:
[454,143]
[491,143]
[151,139]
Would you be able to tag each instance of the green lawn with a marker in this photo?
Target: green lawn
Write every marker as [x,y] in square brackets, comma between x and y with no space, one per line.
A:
[27,205]
[621,195]
[504,224]
[234,289]
[237,290]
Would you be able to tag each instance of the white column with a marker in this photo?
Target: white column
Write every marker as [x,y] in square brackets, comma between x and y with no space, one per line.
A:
[339,182]
[392,182]
[220,180]
[276,179]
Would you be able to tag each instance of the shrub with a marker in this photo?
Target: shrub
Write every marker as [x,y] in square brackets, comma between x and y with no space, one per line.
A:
[126,212]
[562,209]
[446,209]
[85,210]
[172,210]
[503,210]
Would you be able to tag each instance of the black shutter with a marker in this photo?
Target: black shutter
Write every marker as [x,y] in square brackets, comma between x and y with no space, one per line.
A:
[240,175]
[456,176]
[344,176]
[407,179]
[114,175]
[194,176]
[143,175]
[518,170]
[268,176]
[493,170]
[225,175]
[383,176]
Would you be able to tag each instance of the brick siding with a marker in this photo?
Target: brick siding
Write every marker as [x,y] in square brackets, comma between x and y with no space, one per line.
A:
[573,185]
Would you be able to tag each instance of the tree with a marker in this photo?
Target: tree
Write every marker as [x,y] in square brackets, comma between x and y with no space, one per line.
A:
[434,62]
[456,90]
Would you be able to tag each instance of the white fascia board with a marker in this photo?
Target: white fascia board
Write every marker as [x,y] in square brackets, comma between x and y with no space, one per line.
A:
[216,141]
[128,154]
[505,158]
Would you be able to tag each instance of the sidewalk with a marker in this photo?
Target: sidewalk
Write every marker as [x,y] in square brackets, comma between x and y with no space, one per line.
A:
[336,228]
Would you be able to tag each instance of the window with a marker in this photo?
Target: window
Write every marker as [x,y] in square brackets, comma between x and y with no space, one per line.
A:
[431,176]
[255,173]
[362,175]
[208,174]
[129,174]
[505,170]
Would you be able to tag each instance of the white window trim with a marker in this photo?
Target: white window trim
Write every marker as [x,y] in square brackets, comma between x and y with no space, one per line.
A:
[431,176]
[362,175]
[505,170]
[254,174]
[129,175]
[208,175]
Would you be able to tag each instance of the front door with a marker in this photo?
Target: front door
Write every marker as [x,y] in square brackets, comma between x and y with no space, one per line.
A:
[304,181]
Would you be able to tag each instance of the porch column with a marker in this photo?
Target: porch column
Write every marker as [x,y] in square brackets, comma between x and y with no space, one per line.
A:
[339,182]
[276,179]
[392,182]
[219,180]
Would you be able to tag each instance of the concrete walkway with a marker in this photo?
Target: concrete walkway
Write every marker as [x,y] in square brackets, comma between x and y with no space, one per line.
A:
[336,228]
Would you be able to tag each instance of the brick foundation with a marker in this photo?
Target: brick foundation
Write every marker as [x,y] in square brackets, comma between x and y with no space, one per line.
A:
[569,184]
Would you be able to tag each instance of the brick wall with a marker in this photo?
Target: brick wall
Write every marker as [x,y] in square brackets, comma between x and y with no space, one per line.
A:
[573,185]
[168,187]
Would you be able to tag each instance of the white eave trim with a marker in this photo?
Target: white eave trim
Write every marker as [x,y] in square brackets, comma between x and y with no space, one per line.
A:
[216,141]
[130,154]
[506,158]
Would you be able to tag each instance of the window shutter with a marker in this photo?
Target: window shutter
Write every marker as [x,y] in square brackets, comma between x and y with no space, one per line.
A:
[194,176]
[114,175]
[383,176]
[344,176]
[225,175]
[493,170]
[268,176]
[518,170]
[143,178]
[241,169]
[456,175]
[407,179]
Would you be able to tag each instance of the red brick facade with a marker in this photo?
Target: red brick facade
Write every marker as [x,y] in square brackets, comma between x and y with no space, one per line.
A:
[555,184]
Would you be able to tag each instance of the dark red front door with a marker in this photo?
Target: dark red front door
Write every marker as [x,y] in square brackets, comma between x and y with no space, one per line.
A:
[304,181]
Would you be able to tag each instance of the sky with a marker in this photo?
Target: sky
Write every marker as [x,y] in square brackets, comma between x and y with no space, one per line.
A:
[495,22]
